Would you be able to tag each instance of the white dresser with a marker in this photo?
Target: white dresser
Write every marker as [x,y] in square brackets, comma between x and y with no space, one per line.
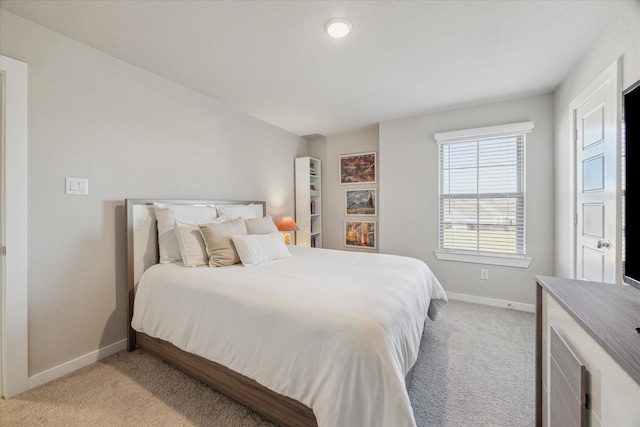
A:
[597,322]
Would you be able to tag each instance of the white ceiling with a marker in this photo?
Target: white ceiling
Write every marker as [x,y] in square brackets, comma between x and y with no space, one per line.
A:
[272,60]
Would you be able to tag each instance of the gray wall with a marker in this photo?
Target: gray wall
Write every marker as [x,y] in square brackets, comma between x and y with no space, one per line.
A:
[618,41]
[329,149]
[409,189]
[133,135]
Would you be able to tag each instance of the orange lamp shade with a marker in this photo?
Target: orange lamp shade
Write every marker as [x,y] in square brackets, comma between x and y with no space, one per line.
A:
[288,224]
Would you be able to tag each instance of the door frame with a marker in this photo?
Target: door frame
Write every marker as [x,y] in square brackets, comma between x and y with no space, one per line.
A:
[14,320]
[611,75]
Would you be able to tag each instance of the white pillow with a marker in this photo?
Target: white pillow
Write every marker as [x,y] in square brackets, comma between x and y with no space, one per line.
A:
[262,225]
[255,249]
[192,247]
[240,211]
[166,215]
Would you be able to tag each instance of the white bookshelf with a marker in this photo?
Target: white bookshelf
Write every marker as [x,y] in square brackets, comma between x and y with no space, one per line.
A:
[308,201]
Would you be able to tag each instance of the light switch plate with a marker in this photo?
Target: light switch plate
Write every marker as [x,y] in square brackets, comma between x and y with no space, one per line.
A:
[76,186]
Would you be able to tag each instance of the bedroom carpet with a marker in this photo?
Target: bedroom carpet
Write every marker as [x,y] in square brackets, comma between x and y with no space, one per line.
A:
[476,367]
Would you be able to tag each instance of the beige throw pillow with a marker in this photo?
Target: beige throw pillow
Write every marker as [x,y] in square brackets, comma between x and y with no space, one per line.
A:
[217,239]
[192,247]
[262,225]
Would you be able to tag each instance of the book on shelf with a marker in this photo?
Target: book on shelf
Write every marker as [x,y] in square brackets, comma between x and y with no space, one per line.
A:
[313,207]
[313,241]
[312,169]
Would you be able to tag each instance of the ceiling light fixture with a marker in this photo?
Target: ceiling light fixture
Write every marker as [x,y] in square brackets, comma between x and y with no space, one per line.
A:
[338,27]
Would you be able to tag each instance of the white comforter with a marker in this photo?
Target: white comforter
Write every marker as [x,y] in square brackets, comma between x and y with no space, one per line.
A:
[335,330]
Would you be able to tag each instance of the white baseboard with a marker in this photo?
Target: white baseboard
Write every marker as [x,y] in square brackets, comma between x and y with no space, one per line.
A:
[86,360]
[75,364]
[531,308]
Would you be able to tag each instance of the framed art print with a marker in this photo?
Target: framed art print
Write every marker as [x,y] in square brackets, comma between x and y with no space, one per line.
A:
[360,202]
[358,168]
[360,234]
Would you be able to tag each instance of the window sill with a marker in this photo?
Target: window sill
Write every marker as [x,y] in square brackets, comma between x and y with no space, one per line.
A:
[491,259]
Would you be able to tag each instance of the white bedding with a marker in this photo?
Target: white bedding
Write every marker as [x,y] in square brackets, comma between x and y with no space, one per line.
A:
[335,330]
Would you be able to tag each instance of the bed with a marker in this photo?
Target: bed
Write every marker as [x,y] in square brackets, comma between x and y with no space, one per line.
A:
[313,337]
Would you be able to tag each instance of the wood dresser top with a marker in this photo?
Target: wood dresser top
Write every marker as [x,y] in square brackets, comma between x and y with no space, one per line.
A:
[609,313]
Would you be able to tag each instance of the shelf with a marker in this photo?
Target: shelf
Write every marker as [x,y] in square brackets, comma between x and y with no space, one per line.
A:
[308,192]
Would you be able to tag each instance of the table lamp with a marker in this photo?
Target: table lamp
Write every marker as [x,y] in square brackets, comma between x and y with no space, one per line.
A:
[285,225]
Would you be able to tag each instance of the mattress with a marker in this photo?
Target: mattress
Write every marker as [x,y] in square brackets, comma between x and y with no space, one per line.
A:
[335,330]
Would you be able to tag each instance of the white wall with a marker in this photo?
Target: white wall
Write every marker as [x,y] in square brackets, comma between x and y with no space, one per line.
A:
[133,135]
[329,149]
[409,195]
[618,41]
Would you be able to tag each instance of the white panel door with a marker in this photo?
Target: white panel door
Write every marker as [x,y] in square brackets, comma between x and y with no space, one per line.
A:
[2,240]
[14,319]
[596,148]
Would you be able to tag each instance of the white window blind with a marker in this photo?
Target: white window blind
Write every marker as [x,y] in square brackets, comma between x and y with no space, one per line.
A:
[482,190]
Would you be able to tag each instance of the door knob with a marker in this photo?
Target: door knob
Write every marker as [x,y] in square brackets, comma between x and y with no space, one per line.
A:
[603,244]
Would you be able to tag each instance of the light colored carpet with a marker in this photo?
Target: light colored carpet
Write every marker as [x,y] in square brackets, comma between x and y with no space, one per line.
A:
[476,367]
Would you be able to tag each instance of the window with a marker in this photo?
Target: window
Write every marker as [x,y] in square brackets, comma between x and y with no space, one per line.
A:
[482,195]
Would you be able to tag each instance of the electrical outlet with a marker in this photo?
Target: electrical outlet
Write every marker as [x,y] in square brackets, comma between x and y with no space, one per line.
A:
[484,273]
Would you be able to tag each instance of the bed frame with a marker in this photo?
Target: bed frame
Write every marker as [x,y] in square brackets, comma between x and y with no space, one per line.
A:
[142,253]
